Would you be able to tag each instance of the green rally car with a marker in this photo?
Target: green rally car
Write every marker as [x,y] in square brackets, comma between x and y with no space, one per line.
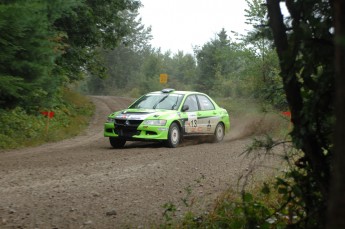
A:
[168,116]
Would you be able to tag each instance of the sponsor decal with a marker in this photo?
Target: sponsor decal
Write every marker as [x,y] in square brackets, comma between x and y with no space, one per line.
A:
[132,116]
[209,125]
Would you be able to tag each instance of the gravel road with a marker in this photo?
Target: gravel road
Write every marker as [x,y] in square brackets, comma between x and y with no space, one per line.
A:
[83,183]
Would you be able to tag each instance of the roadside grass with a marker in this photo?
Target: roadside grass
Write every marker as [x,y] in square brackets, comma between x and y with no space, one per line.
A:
[260,206]
[256,208]
[71,116]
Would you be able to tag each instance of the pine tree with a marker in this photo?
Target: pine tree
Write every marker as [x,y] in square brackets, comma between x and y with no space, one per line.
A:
[28,51]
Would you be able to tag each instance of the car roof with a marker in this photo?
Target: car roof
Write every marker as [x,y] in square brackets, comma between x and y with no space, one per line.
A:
[173,91]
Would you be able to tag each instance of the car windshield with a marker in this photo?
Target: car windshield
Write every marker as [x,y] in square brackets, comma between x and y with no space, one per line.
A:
[158,101]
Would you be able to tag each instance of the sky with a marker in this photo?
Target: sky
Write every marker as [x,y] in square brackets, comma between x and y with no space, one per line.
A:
[178,25]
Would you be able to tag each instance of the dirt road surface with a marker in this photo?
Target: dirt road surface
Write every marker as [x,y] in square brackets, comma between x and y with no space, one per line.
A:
[83,183]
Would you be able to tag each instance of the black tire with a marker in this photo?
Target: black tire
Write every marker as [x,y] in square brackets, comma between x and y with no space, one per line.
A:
[174,136]
[218,133]
[117,143]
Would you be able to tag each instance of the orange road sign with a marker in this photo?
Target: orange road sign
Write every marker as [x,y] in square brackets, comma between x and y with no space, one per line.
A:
[163,78]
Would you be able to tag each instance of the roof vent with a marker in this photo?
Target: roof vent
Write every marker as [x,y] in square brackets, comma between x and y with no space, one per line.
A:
[168,90]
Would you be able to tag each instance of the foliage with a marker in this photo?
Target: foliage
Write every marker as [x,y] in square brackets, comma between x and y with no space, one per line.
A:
[221,67]
[281,202]
[268,82]
[238,69]
[88,26]
[266,208]
[247,211]
[143,74]
[47,44]
[308,78]
[169,212]
[28,51]
[216,59]
[335,213]
[18,128]
[277,204]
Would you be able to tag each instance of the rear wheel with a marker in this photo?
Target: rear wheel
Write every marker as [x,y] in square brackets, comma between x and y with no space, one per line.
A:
[218,133]
[174,136]
[117,143]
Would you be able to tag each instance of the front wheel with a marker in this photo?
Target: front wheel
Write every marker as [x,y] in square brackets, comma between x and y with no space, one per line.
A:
[174,136]
[117,143]
[218,133]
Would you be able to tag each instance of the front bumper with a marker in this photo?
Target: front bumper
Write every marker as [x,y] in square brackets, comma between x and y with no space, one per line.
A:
[133,133]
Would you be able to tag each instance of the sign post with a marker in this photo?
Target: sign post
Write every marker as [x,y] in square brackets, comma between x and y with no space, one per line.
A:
[49,114]
[288,115]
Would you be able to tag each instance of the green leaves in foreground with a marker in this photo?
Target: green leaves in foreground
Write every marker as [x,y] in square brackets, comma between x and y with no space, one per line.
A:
[249,211]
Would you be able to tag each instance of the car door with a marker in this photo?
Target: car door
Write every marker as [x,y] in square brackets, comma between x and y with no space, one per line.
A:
[207,117]
[191,124]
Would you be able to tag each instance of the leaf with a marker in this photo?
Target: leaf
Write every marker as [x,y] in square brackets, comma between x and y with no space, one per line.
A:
[247,197]
[266,189]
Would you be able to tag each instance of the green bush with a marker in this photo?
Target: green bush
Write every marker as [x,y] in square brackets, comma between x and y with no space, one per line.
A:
[19,128]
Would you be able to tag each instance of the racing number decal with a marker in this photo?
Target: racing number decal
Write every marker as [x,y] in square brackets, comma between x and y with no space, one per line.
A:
[192,122]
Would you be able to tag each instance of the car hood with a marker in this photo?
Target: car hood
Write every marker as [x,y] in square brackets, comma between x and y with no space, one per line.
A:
[142,114]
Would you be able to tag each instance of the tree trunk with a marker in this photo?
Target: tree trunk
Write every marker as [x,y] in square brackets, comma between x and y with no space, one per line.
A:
[336,207]
[287,57]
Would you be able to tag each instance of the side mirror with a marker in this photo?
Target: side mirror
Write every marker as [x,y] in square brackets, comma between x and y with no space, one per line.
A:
[185,108]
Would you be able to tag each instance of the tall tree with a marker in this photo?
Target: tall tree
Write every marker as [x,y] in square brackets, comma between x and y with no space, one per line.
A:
[183,69]
[28,51]
[123,62]
[212,58]
[91,25]
[268,84]
[304,45]
[336,217]
[48,43]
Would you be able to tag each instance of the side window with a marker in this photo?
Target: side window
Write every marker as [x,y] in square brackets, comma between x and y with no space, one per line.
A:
[192,103]
[205,103]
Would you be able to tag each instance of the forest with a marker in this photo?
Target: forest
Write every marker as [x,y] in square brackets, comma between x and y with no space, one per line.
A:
[51,49]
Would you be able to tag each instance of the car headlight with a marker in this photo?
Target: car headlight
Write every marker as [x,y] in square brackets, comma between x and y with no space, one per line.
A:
[156,122]
[109,119]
